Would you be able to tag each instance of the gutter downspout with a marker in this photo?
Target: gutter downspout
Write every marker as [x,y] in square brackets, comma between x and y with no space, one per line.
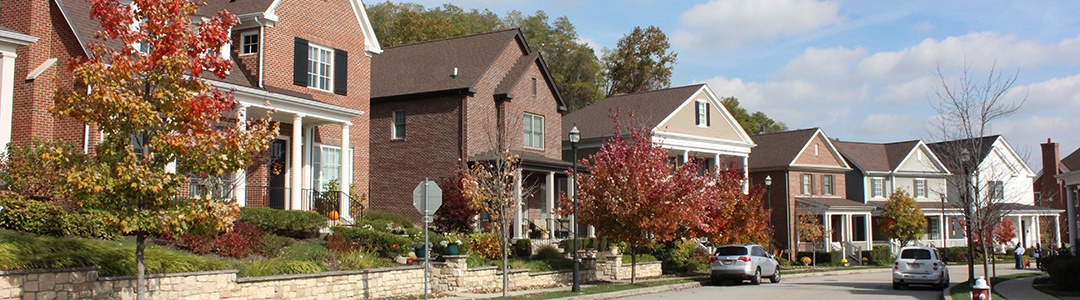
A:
[262,46]
[86,131]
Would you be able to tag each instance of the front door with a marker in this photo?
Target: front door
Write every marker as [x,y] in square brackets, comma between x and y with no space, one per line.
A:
[276,180]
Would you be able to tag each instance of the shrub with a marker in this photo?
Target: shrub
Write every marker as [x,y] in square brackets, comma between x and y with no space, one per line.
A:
[523,248]
[91,223]
[476,261]
[273,244]
[827,257]
[296,224]
[362,259]
[281,266]
[39,169]
[548,252]
[640,258]
[881,256]
[583,243]
[306,252]
[385,244]
[485,245]
[116,258]
[241,241]
[376,215]
[1063,271]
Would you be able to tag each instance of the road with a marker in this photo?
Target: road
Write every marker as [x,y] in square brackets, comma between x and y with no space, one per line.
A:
[876,285]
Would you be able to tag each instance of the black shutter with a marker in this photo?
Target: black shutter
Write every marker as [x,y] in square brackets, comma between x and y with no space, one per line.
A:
[697,113]
[300,62]
[708,117]
[341,72]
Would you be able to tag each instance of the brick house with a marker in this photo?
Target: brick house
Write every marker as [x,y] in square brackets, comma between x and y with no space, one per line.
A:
[1050,190]
[807,174]
[274,50]
[437,106]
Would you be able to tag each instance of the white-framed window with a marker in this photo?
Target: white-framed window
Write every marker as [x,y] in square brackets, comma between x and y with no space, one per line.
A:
[320,67]
[827,185]
[920,188]
[249,43]
[325,165]
[808,184]
[399,125]
[702,113]
[996,189]
[877,189]
[534,131]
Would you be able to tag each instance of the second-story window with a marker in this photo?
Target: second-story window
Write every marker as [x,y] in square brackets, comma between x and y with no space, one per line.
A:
[996,189]
[920,188]
[399,124]
[320,67]
[534,131]
[701,111]
[827,185]
[877,187]
[808,184]
[249,43]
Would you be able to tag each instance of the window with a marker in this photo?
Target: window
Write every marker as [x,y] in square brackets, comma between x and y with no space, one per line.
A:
[326,166]
[320,67]
[808,184]
[996,189]
[534,86]
[1038,195]
[920,188]
[701,110]
[534,131]
[827,185]
[878,187]
[399,125]
[915,254]
[249,43]
[932,228]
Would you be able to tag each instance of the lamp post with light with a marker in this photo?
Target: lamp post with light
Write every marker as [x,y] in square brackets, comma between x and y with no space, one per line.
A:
[575,136]
[965,157]
[768,205]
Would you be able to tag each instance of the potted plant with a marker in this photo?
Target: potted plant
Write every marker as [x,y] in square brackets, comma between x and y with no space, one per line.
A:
[451,247]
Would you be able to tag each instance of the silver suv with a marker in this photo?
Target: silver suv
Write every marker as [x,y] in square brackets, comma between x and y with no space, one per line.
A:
[741,262]
[920,265]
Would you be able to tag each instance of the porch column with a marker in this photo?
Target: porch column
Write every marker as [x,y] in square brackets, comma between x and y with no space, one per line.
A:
[685,156]
[550,195]
[1038,229]
[828,231]
[590,231]
[746,174]
[941,229]
[1020,238]
[345,177]
[716,162]
[7,92]
[297,169]
[868,232]
[517,199]
[848,237]
[240,176]
[1070,208]
[1057,229]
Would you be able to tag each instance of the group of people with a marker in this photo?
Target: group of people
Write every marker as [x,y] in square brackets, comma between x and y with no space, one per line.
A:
[1038,255]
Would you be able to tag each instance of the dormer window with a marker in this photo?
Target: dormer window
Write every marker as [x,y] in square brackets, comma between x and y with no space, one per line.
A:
[249,43]
[701,110]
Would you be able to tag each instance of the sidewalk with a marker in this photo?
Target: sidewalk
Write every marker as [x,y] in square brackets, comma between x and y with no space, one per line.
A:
[1021,288]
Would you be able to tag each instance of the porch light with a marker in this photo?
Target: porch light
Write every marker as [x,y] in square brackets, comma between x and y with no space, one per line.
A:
[768,180]
[575,135]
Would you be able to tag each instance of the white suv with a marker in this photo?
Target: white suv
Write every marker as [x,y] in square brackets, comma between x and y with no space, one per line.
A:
[920,265]
[742,262]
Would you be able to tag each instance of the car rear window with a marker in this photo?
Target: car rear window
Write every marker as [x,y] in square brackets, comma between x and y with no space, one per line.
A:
[915,254]
[725,251]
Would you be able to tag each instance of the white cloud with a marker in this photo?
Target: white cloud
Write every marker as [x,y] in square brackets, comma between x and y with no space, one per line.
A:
[908,92]
[729,23]
[832,63]
[885,123]
[923,27]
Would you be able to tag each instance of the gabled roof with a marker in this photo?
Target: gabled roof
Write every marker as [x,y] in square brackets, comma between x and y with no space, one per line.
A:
[517,73]
[265,10]
[429,67]
[876,157]
[945,149]
[237,7]
[1071,162]
[779,149]
[648,109]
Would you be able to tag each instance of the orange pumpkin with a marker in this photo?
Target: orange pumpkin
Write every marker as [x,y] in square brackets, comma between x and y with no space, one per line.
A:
[334,215]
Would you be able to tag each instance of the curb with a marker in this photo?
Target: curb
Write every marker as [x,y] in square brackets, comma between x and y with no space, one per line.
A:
[947,293]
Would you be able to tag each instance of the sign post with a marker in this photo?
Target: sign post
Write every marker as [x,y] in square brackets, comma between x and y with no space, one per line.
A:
[427,198]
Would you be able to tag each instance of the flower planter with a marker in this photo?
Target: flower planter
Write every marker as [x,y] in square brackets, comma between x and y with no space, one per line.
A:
[451,249]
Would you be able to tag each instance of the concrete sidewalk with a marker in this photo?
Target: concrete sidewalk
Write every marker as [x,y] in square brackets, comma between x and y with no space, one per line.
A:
[1021,288]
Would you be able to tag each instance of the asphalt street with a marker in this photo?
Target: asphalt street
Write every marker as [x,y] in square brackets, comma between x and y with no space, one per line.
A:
[876,285]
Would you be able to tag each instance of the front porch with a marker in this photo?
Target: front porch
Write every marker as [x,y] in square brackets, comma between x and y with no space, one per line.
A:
[847,225]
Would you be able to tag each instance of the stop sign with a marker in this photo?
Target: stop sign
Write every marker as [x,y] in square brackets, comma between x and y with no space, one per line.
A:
[428,194]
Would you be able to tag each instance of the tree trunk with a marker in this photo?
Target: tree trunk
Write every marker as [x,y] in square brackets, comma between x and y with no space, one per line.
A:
[633,264]
[986,266]
[504,240]
[140,266]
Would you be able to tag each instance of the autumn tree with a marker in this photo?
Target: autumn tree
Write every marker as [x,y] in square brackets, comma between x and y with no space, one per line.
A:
[149,100]
[756,123]
[456,213]
[906,222]
[810,230]
[489,186]
[746,220]
[640,62]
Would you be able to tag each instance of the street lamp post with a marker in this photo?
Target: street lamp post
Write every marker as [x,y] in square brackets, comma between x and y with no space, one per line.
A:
[965,156]
[768,205]
[575,136]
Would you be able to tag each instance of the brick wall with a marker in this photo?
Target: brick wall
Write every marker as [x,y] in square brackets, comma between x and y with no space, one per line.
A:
[542,103]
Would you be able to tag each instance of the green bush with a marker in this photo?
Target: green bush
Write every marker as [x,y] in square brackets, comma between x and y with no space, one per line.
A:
[825,257]
[307,252]
[548,252]
[486,245]
[281,266]
[45,217]
[523,248]
[640,258]
[679,257]
[583,243]
[273,244]
[361,259]
[1063,271]
[297,224]
[355,238]
[881,256]
[476,261]
[378,215]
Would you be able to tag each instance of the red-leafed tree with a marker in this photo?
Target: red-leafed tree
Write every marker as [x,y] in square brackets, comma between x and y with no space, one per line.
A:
[149,100]
[635,194]
[456,214]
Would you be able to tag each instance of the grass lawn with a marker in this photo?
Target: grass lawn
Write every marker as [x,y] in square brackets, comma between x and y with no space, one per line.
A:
[1052,290]
[960,291]
[606,288]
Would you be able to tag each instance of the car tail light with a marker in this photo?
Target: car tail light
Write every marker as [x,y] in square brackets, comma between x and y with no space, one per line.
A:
[713,259]
[935,266]
[744,258]
[896,266]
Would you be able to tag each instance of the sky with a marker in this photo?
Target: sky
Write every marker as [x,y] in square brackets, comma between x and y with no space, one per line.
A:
[861,70]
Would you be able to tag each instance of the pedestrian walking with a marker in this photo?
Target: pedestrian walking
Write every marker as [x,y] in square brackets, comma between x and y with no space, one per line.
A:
[1019,255]
[1038,256]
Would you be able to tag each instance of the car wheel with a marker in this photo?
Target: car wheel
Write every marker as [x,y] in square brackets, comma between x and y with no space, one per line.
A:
[775,276]
[896,286]
[756,280]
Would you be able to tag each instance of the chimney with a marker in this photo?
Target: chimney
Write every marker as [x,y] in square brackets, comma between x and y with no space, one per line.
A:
[1050,161]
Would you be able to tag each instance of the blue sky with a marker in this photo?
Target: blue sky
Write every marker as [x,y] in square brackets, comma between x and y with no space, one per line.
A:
[860,70]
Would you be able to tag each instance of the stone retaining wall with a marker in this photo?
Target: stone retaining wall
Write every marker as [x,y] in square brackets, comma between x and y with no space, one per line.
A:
[454,275]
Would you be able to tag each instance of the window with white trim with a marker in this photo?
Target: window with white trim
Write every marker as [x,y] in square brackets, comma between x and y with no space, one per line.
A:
[702,113]
[920,188]
[399,124]
[996,189]
[320,67]
[827,185]
[534,131]
[877,187]
[808,184]
[325,166]
[249,43]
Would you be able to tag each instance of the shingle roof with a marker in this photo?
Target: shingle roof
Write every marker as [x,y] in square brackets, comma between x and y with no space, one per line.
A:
[1071,162]
[515,73]
[778,149]
[874,156]
[944,149]
[429,66]
[648,109]
[836,203]
[236,7]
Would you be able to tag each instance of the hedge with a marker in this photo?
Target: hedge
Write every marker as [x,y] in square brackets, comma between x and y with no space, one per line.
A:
[1063,271]
[45,217]
[353,238]
[296,224]
[822,256]
[881,256]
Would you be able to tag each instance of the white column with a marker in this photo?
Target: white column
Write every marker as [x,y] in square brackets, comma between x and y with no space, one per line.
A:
[941,229]
[827,219]
[550,204]
[591,231]
[868,233]
[1038,230]
[848,237]
[1057,229]
[345,178]
[685,156]
[297,170]
[1020,238]
[517,198]
[240,176]
[746,174]
[716,162]
[7,97]
[572,184]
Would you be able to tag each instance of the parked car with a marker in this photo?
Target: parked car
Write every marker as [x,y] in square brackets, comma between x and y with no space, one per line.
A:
[741,262]
[920,265]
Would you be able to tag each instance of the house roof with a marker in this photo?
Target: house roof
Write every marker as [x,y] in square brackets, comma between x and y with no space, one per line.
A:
[647,109]
[1071,162]
[835,203]
[779,149]
[429,66]
[944,149]
[874,156]
[236,7]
